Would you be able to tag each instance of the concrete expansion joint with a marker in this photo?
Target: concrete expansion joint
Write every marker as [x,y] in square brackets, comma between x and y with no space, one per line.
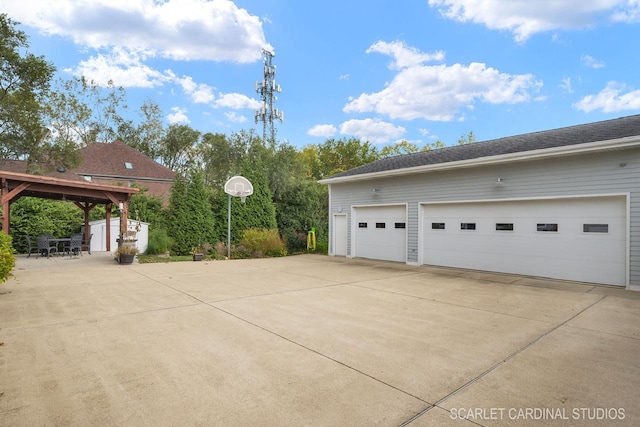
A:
[502,362]
[319,353]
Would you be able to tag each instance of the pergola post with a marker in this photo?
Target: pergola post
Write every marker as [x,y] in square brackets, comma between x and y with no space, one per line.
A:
[124,214]
[107,216]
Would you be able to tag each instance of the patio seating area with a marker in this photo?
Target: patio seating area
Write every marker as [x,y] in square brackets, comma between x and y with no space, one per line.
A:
[46,245]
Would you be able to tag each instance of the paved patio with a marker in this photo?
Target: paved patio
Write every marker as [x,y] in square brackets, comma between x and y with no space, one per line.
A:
[311,340]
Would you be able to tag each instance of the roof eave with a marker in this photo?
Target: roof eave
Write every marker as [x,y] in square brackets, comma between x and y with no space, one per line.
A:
[612,144]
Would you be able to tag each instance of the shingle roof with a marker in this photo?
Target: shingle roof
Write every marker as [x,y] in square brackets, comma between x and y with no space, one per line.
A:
[109,159]
[573,135]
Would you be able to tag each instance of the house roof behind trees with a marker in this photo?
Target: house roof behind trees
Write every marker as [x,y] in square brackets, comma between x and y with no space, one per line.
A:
[117,159]
[113,160]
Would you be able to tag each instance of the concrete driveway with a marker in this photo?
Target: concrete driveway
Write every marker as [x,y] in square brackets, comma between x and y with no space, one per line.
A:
[311,340]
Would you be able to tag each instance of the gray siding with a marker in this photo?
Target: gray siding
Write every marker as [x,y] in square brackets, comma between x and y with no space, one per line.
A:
[578,175]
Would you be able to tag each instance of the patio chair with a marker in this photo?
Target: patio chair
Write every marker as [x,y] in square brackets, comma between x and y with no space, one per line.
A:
[86,244]
[75,245]
[45,246]
[30,245]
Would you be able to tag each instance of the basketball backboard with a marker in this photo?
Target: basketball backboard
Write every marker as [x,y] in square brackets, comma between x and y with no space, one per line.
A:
[238,186]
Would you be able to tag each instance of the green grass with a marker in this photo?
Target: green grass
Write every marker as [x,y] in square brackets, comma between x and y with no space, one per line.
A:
[149,259]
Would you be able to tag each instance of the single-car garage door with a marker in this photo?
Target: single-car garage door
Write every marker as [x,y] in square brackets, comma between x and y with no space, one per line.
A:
[380,232]
[581,239]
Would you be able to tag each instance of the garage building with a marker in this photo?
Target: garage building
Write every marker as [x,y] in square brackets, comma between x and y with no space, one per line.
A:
[562,203]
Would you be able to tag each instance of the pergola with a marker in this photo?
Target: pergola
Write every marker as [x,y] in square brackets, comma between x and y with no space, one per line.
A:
[85,195]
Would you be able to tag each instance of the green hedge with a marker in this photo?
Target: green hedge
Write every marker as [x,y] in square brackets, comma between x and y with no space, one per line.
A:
[7,259]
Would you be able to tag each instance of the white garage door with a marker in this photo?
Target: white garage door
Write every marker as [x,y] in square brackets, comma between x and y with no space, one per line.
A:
[574,239]
[380,233]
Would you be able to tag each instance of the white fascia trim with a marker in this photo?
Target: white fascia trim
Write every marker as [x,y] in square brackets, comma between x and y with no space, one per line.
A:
[591,147]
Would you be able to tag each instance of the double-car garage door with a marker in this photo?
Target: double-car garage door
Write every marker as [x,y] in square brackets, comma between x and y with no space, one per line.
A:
[581,239]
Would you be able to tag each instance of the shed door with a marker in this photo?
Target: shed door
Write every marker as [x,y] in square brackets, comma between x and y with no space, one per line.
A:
[380,233]
[582,239]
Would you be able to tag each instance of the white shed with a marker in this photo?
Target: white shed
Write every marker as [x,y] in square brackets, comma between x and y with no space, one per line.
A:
[99,231]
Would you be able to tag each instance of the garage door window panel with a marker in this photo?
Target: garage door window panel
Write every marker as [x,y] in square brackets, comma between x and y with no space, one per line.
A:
[595,228]
[547,227]
[504,226]
[437,225]
[468,226]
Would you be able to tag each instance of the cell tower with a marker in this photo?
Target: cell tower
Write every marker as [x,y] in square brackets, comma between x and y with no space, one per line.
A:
[267,114]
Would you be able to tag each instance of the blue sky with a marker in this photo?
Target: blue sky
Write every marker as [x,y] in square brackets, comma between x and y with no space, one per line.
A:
[381,71]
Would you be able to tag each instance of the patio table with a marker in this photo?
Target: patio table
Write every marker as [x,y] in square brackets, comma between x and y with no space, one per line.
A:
[57,241]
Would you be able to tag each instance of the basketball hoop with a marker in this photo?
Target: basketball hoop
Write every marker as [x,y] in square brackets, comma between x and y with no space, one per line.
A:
[236,186]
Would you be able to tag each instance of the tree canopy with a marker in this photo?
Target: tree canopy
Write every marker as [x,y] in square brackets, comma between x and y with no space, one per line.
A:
[24,84]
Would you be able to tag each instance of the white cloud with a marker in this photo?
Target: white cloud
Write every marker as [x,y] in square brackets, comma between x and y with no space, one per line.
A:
[439,92]
[526,18]
[404,56]
[326,131]
[566,85]
[610,99]
[123,67]
[628,12]
[200,93]
[374,131]
[179,115]
[176,29]
[237,101]
[591,62]
[236,118]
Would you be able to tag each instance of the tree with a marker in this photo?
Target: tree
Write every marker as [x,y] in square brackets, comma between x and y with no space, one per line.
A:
[402,147]
[177,151]
[429,146]
[24,82]
[469,138]
[309,157]
[219,158]
[191,221]
[335,156]
[79,111]
[148,208]
[303,205]
[147,136]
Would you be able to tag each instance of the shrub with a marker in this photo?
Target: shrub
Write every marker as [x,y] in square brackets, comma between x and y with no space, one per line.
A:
[262,243]
[33,216]
[296,241]
[220,250]
[7,259]
[322,247]
[159,242]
